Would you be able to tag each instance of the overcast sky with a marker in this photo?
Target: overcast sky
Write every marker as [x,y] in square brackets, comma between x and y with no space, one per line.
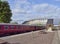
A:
[29,9]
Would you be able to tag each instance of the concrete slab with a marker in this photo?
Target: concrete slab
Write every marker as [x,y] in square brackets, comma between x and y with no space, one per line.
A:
[2,41]
[36,37]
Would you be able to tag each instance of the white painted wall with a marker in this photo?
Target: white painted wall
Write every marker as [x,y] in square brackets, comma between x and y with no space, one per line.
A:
[42,22]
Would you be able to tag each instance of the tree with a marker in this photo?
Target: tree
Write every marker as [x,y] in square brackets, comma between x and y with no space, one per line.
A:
[14,22]
[5,12]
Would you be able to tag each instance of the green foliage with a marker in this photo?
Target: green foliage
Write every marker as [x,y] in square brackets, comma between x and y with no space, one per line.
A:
[14,22]
[5,12]
[38,24]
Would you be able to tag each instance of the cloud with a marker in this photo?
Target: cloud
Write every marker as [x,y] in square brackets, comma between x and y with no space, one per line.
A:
[46,9]
[24,10]
[21,6]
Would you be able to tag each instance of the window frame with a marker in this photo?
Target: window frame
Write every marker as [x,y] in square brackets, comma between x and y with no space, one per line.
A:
[6,27]
[12,27]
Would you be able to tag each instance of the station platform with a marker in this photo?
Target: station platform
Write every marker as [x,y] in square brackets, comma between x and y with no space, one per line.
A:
[34,37]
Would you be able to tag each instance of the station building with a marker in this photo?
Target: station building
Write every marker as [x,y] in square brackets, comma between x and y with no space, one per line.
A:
[40,22]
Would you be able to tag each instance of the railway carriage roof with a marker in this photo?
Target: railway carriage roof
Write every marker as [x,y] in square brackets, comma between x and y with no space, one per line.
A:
[16,24]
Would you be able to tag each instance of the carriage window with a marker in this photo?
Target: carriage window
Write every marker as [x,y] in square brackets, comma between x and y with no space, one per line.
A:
[12,27]
[6,27]
[17,27]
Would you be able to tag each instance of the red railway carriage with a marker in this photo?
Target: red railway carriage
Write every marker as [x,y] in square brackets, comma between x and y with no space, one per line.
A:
[17,28]
[39,27]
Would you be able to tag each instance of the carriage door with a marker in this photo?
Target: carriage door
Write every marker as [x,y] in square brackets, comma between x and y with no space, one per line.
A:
[0,27]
